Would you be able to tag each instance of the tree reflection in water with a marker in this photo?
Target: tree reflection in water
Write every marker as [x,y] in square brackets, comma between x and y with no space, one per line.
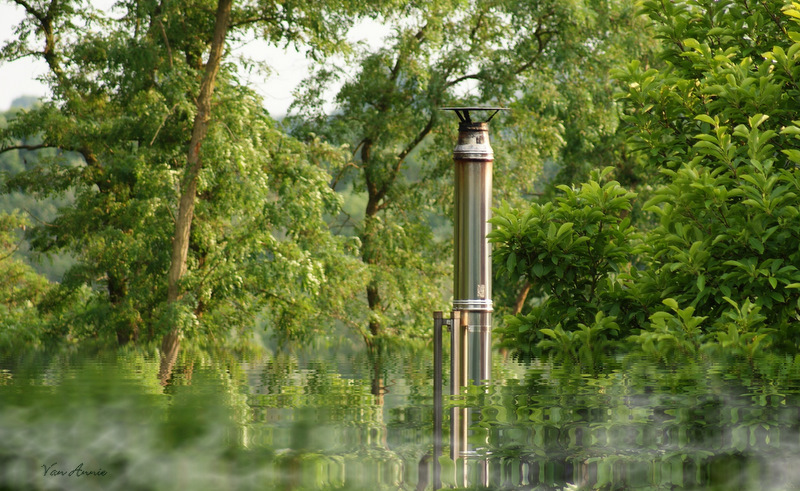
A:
[359,420]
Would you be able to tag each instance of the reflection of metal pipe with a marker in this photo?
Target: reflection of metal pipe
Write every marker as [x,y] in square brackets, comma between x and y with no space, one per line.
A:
[438,323]
[459,422]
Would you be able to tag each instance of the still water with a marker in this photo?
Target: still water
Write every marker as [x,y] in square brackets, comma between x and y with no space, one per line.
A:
[325,420]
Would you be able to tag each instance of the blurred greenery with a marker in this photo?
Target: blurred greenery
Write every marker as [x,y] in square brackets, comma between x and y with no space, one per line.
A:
[311,420]
[290,421]
[14,162]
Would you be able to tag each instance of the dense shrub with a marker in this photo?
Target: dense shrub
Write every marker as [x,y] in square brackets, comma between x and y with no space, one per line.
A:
[716,269]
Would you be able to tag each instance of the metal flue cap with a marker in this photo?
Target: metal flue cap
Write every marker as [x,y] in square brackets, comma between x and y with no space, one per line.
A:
[464,116]
[473,136]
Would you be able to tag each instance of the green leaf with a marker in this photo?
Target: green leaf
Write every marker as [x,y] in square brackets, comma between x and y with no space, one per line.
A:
[565,227]
[548,332]
[511,262]
[794,155]
[756,244]
[707,119]
[791,130]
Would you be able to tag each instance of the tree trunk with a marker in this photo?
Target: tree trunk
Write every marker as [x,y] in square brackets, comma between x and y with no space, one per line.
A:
[374,302]
[521,297]
[183,221]
[518,306]
[127,330]
[369,245]
[370,257]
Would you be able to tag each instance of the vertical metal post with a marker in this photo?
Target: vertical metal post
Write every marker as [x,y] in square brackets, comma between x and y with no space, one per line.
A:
[438,323]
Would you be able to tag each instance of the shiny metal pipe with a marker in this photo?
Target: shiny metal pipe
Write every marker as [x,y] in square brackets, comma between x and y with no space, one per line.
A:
[473,198]
[472,288]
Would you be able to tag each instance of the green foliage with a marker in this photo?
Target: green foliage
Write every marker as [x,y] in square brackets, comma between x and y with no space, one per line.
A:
[586,344]
[576,253]
[548,60]
[124,90]
[713,53]
[673,334]
[742,331]
[40,210]
[728,217]
[716,130]
[21,288]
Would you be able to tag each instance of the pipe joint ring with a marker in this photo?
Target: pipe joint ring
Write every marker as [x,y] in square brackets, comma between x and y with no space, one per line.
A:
[481,305]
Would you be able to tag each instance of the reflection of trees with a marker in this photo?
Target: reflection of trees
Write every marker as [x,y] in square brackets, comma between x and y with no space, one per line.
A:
[693,425]
[290,421]
[334,427]
[168,359]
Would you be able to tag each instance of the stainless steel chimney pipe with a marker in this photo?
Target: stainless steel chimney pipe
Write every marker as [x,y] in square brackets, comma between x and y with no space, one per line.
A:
[472,288]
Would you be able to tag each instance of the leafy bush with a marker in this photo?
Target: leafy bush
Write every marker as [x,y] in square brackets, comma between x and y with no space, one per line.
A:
[576,253]
[719,128]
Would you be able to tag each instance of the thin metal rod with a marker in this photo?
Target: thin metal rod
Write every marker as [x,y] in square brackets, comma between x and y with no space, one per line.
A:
[455,353]
[438,323]
[457,360]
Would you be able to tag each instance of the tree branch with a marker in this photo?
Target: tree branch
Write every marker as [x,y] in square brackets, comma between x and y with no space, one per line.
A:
[15,249]
[253,20]
[335,181]
[417,140]
[169,49]
[25,147]
[163,121]
[29,9]
[471,76]
[775,19]
[420,37]
[401,157]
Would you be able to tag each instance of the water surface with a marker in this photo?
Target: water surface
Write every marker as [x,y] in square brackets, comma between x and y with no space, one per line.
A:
[324,420]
